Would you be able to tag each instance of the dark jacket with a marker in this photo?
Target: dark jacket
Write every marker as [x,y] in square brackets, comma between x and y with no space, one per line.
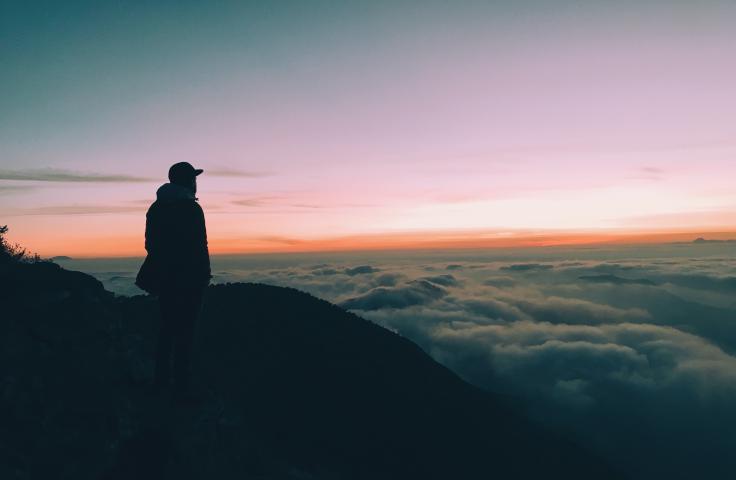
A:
[176,242]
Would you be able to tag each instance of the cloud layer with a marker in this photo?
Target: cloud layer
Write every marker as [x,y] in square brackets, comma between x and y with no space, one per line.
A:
[634,357]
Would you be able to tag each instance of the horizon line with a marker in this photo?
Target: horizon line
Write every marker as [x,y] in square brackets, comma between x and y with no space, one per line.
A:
[423,241]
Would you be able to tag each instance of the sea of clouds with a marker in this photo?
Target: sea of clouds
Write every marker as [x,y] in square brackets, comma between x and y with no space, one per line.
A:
[631,351]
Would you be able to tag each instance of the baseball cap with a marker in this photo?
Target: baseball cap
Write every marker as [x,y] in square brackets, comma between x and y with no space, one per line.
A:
[183,171]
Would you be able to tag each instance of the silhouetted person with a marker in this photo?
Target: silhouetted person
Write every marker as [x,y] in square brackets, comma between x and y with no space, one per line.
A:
[177,269]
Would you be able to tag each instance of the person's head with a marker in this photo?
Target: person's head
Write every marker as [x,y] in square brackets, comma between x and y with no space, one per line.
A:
[184,174]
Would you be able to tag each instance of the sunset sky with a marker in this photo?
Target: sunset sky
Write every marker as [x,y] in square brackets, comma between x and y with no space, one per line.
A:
[338,125]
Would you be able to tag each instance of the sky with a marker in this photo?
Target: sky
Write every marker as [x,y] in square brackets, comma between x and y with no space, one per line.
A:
[348,125]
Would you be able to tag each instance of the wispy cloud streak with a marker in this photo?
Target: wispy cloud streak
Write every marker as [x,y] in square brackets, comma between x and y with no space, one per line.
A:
[78,210]
[229,172]
[11,189]
[61,175]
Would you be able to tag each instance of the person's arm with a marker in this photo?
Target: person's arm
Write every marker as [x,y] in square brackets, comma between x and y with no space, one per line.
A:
[149,238]
[203,254]
[149,275]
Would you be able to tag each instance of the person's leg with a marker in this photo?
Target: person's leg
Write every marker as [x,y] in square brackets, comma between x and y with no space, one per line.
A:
[190,307]
[165,339]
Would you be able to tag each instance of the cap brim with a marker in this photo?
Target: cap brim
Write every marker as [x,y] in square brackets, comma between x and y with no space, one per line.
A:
[198,171]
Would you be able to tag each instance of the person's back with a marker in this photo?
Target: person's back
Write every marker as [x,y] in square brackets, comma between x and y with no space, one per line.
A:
[177,269]
[176,238]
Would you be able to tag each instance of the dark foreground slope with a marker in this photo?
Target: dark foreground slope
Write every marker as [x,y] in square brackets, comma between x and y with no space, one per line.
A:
[289,386]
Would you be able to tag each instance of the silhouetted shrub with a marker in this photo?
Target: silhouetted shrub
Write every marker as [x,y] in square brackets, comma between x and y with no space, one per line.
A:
[14,252]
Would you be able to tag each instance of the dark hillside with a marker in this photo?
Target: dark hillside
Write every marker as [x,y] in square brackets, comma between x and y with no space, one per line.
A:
[288,386]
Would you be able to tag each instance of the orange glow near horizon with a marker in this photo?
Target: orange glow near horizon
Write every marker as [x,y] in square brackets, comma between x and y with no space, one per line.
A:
[132,246]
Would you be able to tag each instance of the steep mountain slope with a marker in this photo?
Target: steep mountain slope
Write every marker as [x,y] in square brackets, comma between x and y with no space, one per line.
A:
[289,386]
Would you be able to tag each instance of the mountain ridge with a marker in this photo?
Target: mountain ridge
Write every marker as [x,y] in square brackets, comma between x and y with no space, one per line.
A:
[291,386]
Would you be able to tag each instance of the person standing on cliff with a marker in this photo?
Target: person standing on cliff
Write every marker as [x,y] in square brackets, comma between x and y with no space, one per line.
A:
[177,270]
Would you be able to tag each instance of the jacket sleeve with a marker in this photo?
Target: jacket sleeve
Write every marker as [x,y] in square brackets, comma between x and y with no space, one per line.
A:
[202,250]
[150,232]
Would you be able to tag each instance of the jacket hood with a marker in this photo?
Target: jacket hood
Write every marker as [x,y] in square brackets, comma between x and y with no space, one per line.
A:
[170,192]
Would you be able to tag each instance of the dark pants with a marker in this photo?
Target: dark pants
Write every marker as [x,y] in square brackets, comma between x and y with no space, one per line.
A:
[180,309]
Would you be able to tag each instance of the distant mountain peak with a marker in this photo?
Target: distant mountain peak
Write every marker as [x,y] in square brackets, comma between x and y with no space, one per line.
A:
[701,240]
